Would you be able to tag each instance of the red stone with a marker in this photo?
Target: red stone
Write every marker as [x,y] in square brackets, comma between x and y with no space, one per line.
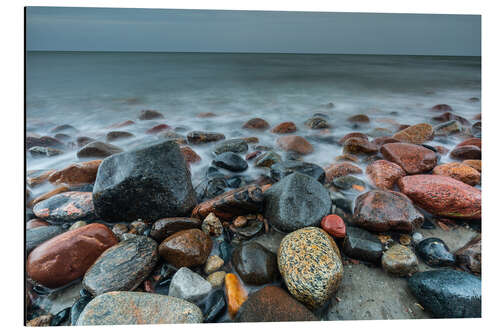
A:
[384,174]
[67,256]
[412,158]
[352,135]
[341,169]
[158,128]
[380,141]
[471,142]
[442,195]
[256,123]
[468,152]
[295,143]
[286,127]
[334,225]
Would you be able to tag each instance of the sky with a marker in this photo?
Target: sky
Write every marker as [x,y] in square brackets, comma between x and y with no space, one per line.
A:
[165,30]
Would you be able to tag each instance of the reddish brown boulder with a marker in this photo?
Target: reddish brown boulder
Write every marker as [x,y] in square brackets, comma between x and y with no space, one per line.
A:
[256,123]
[384,174]
[190,155]
[359,118]
[441,107]
[283,128]
[67,256]
[380,141]
[341,169]
[353,135]
[466,153]
[468,257]
[295,143]
[412,158]
[35,223]
[158,128]
[382,211]
[471,142]
[37,177]
[186,248]
[447,116]
[273,304]
[459,171]
[416,134]
[476,164]
[334,225]
[443,195]
[76,173]
[359,146]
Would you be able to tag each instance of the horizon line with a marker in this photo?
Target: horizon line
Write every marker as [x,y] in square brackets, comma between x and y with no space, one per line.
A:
[242,52]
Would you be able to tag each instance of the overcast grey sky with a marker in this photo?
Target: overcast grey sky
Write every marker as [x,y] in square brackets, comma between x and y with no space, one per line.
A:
[120,29]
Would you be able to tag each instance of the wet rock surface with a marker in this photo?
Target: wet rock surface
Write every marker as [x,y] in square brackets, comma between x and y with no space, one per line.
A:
[434,252]
[283,169]
[295,202]
[384,174]
[186,248]
[149,183]
[66,207]
[448,293]
[67,256]
[37,236]
[98,149]
[442,195]
[361,244]
[255,265]
[133,308]
[273,304]
[459,171]
[188,285]
[386,210]
[295,143]
[400,260]
[163,228]
[469,256]
[122,267]
[411,158]
[230,161]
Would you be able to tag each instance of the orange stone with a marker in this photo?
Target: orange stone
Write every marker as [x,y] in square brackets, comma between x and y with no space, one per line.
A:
[236,294]
[76,173]
[295,143]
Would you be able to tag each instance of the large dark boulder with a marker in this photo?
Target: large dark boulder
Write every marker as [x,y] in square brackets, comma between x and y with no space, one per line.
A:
[149,183]
[295,202]
[448,293]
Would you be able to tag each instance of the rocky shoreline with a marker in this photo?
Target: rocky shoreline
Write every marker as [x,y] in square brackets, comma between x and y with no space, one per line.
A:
[152,232]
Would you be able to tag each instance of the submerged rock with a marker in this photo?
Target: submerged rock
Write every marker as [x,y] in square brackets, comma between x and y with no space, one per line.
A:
[98,149]
[150,114]
[230,161]
[295,143]
[256,124]
[273,304]
[295,202]
[283,169]
[148,183]
[133,308]
[199,137]
[317,123]
[386,210]
[284,128]
[267,159]
[44,152]
[448,293]
[447,128]
[214,306]
[118,135]
[442,195]
[310,264]
[122,267]
[434,252]
[357,145]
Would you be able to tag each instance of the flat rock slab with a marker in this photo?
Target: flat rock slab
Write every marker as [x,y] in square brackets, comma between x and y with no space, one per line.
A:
[133,308]
[368,293]
[123,266]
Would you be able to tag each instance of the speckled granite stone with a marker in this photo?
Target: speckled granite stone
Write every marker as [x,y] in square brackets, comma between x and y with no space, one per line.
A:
[123,266]
[132,308]
[310,264]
